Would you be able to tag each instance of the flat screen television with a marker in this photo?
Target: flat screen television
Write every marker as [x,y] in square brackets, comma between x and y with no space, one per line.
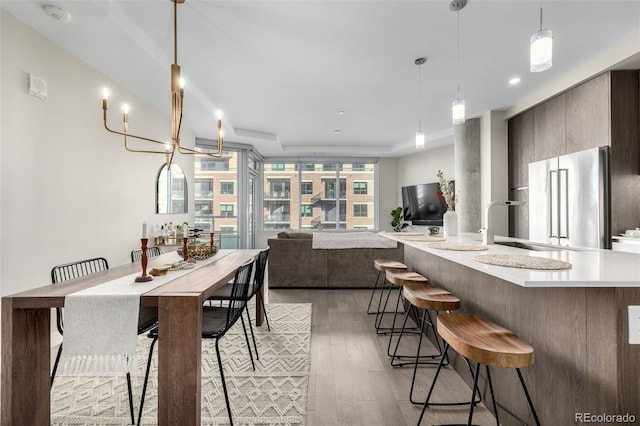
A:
[424,204]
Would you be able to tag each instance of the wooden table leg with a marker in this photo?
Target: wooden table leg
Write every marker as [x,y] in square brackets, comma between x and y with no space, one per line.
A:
[179,359]
[259,310]
[25,365]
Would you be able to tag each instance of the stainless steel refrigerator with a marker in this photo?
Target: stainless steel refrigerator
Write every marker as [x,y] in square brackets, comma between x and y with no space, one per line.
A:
[569,199]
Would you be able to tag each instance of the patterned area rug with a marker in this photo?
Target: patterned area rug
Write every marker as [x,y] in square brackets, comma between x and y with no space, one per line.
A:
[274,394]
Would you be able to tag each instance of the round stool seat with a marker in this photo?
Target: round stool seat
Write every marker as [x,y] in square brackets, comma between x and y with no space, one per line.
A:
[384,265]
[483,341]
[405,277]
[426,296]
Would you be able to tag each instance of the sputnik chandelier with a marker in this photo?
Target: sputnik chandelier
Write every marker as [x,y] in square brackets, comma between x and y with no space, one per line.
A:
[177,96]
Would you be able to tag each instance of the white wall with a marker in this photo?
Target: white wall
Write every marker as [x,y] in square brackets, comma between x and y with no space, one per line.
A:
[423,166]
[69,190]
[494,170]
[388,191]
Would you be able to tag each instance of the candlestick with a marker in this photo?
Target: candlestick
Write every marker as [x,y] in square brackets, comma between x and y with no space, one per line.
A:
[143,260]
[185,249]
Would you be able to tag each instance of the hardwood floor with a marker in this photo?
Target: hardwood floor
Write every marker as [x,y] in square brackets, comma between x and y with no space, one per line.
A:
[351,380]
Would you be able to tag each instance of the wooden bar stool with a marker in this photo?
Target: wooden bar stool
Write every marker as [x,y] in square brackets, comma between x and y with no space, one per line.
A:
[400,279]
[383,265]
[484,342]
[427,298]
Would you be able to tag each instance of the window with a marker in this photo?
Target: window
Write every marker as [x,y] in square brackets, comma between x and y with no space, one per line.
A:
[309,193]
[279,189]
[213,164]
[227,229]
[360,188]
[226,210]
[307,167]
[329,167]
[306,188]
[203,208]
[360,210]
[227,188]
[203,188]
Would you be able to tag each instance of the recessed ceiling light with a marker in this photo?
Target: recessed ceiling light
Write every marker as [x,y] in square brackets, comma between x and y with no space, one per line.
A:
[56,13]
[341,112]
[513,81]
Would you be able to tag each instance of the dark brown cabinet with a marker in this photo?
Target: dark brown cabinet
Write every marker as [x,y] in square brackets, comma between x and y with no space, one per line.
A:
[549,139]
[520,149]
[587,114]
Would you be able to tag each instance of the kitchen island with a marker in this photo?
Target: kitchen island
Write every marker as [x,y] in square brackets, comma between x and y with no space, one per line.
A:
[575,319]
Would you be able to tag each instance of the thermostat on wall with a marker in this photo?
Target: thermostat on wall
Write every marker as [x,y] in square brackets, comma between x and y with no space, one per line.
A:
[37,87]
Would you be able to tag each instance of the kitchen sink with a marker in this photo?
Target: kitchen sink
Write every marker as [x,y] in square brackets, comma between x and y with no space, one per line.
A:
[527,246]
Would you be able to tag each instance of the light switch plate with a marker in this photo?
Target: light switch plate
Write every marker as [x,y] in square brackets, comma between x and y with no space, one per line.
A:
[634,325]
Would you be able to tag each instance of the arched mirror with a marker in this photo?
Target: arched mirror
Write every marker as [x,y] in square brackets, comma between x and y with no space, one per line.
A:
[171,190]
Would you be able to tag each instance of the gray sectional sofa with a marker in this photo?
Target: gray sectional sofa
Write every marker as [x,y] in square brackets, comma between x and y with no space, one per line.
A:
[294,263]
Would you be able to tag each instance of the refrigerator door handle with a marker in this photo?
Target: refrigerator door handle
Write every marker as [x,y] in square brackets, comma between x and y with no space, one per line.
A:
[553,203]
[563,203]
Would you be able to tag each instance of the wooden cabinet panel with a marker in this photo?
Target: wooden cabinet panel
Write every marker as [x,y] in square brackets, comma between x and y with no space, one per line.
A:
[519,215]
[520,149]
[549,129]
[588,114]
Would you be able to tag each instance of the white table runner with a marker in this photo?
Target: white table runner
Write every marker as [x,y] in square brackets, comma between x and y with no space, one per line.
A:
[101,324]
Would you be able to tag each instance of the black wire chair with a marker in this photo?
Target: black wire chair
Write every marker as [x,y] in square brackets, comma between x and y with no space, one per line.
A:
[216,321]
[151,252]
[258,282]
[147,319]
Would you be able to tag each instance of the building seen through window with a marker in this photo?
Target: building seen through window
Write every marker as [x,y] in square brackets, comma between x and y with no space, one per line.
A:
[215,195]
[319,195]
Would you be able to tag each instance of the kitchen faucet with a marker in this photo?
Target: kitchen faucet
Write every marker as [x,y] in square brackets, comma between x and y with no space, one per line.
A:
[487,232]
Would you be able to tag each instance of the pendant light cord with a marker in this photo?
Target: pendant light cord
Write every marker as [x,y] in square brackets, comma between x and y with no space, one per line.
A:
[419,96]
[458,15]
[540,15]
[175,32]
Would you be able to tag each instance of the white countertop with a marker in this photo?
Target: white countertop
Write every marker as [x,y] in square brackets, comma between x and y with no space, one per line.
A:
[590,267]
[622,238]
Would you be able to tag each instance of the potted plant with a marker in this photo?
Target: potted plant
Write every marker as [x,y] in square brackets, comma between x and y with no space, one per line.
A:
[399,217]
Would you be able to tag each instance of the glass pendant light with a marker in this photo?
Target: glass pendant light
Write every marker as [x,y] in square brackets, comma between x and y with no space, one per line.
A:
[420,133]
[541,50]
[419,139]
[457,111]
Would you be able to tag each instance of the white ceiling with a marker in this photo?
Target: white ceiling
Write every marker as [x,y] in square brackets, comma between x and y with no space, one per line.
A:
[281,70]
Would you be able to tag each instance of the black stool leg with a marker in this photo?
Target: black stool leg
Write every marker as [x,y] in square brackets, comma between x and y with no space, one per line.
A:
[415,367]
[473,394]
[526,392]
[433,383]
[375,287]
[493,396]
[380,315]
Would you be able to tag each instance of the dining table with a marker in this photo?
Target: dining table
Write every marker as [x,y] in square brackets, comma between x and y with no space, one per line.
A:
[26,337]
